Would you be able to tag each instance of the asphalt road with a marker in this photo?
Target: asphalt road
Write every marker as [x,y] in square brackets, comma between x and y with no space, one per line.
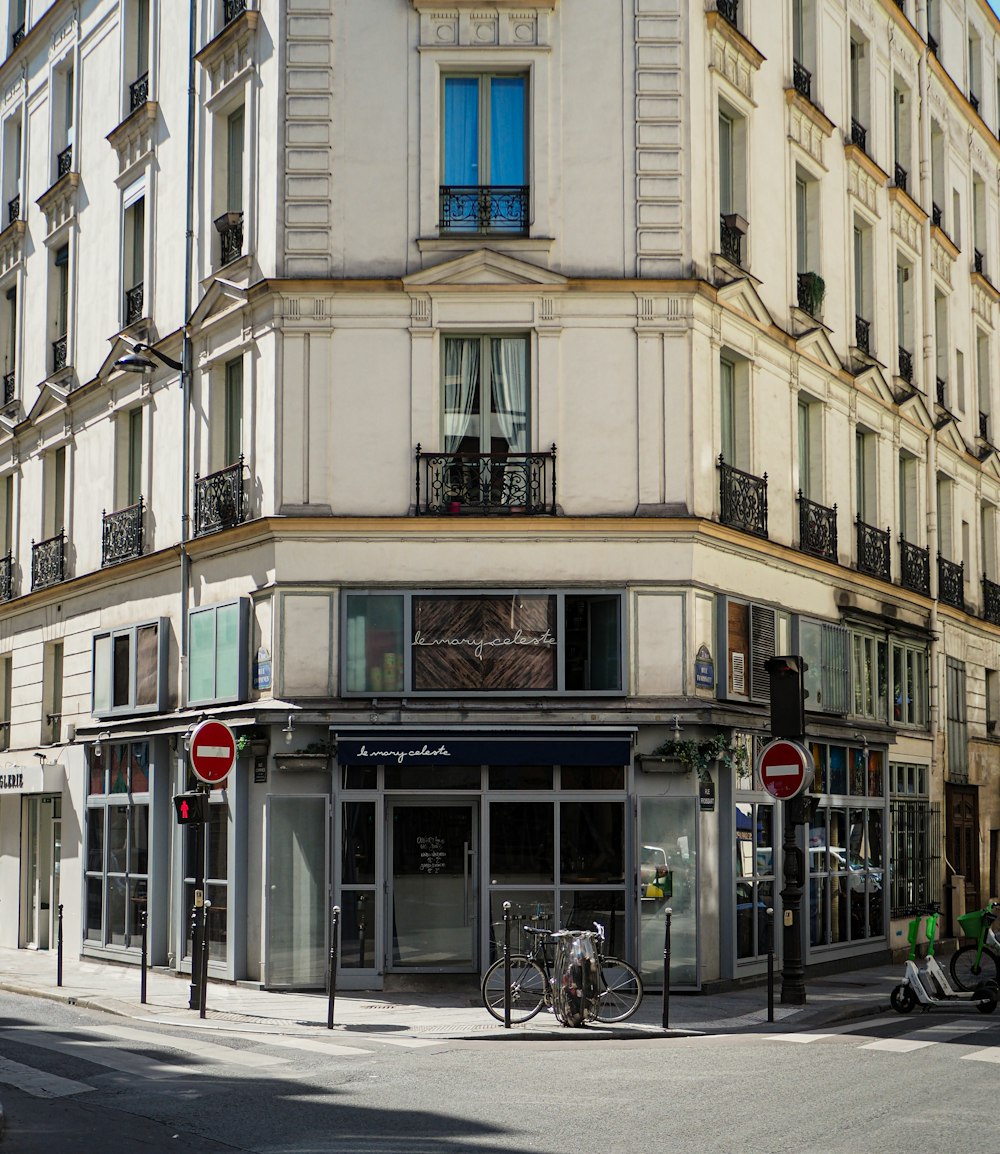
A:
[78,1082]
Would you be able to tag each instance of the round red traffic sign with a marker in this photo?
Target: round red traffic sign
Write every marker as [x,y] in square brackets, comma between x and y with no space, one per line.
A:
[213,751]
[785,768]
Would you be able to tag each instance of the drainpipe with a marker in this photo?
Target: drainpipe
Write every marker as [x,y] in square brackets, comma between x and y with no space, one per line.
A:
[186,352]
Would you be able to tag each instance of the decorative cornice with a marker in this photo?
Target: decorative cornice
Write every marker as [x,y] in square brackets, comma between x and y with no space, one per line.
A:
[231,52]
[12,245]
[59,202]
[133,138]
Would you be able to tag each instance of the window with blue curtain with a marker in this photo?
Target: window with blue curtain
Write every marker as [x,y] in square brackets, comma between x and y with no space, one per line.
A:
[484,161]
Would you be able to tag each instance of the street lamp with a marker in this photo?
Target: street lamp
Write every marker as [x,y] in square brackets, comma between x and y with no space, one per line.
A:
[135,362]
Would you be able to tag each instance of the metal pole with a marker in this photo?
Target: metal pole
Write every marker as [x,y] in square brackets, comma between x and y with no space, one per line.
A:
[334,932]
[204,958]
[770,963]
[793,986]
[506,965]
[197,916]
[668,913]
[59,947]
[143,959]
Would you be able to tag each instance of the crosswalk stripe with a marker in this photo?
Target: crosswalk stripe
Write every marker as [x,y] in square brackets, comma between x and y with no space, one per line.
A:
[803,1038]
[38,1083]
[202,1049]
[897,1045]
[982,1056]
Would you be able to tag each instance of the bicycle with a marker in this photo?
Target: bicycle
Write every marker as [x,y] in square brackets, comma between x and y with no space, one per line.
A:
[531,983]
[973,965]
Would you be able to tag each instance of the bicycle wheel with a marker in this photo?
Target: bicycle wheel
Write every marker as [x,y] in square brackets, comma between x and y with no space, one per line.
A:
[620,993]
[967,975]
[527,988]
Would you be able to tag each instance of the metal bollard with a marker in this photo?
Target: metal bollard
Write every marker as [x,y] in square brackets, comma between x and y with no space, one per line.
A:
[143,959]
[506,965]
[334,945]
[770,963]
[59,947]
[194,994]
[668,913]
[204,959]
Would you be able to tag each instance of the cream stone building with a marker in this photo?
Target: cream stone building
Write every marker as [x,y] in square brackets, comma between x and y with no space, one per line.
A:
[463,399]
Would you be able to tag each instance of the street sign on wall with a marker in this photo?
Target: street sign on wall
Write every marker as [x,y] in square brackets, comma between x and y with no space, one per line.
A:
[213,751]
[785,769]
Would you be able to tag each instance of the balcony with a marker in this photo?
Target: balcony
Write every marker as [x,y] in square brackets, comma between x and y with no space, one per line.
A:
[991,601]
[802,80]
[810,290]
[138,92]
[732,230]
[974,101]
[6,577]
[817,529]
[742,499]
[873,551]
[219,500]
[484,209]
[977,261]
[984,427]
[914,568]
[729,10]
[900,176]
[48,561]
[121,535]
[229,226]
[862,335]
[9,387]
[133,304]
[951,582]
[231,9]
[59,353]
[14,209]
[16,37]
[941,393]
[937,215]
[517,484]
[64,162]
[859,135]
[906,365]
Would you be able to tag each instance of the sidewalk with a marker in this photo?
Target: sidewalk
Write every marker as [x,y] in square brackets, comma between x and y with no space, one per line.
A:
[115,989]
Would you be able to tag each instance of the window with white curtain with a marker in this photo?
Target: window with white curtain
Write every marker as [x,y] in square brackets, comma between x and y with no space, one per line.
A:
[485,394]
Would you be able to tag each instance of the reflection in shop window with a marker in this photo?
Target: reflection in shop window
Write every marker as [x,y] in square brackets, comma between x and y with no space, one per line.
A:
[755,883]
[670,826]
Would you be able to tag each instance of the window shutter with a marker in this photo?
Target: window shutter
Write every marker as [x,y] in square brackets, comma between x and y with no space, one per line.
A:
[762,629]
[836,647]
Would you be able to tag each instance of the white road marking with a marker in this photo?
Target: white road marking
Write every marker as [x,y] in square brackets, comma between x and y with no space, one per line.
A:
[210,1050]
[897,1045]
[37,1083]
[992,1055]
[803,1038]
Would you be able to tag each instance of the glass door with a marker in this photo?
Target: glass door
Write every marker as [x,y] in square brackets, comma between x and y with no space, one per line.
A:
[42,826]
[433,895]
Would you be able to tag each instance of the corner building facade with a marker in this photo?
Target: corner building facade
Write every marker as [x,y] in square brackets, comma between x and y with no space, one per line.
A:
[545,367]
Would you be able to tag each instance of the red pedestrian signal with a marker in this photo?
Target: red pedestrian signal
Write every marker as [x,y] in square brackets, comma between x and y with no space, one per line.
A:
[192,808]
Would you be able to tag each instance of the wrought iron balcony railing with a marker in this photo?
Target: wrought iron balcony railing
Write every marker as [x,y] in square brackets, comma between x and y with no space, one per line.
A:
[59,353]
[729,10]
[64,162]
[951,582]
[901,5]
[862,334]
[810,290]
[48,561]
[859,134]
[6,577]
[932,43]
[484,209]
[974,101]
[230,229]
[486,483]
[991,601]
[874,551]
[121,534]
[231,9]
[742,499]
[937,215]
[906,365]
[14,209]
[133,304]
[802,79]
[977,260]
[914,568]
[219,500]
[9,387]
[817,528]
[941,395]
[17,36]
[138,92]
[732,229]
[984,426]
[900,176]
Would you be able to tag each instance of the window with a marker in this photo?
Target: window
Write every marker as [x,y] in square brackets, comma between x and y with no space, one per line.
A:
[937,175]
[215,872]
[984,386]
[749,634]
[908,497]
[871,676]
[979,263]
[992,699]
[956,217]
[933,25]
[6,671]
[909,684]
[136,54]
[863,288]
[229,191]
[941,348]
[130,669]
[910,830]
[59,307]
[944,497]
[130,462]
[901,134]
[54,492]
[957,727]
[804,46]
[960,380]
[732,185]
[63,120]
[975,68]
[8,337]
[988,540]
[52,692]
[16,24]
[810,432]
[484,158]
[826,649]
[117,841]
[810,288]
[134,254]
[218,654]
[859,90]
[12,152]
[865,472]
[904,322]
[486,391]
[734,411]
[233,417]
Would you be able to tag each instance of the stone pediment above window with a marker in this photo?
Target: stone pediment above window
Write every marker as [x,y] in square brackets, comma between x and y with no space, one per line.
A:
[133,138]
[231,53]
[816,344]
[871,380]
[731,54]
[484,267]
[59,202]
[12,245]
[915,407]
[742,295]
[490,24]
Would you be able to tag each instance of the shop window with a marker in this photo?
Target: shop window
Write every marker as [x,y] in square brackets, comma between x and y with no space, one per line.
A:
[668,832]
[117,843]
[130,669]
[846,875]
[215,871]
[358,871]
[826,650]
[218,653]
[871,676]
[912,839]
[909,684]
[754,877]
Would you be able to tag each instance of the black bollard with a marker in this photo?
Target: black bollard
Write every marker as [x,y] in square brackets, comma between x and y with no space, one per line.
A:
[332,986]
[194,994]
[668,913]
[204,959]
[143,959]
[59,947]
[506,965]
[770,963]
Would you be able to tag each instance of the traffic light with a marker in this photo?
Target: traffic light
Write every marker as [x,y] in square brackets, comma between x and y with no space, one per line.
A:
[788,704]
[192,808]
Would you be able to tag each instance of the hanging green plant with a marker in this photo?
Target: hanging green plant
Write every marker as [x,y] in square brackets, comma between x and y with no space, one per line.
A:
[699,755]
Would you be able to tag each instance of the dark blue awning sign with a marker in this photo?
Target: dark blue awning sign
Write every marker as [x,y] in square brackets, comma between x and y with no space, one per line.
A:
[380,747]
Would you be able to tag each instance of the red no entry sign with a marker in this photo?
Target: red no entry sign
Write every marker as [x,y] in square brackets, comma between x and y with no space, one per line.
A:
[785,769]
[213,751]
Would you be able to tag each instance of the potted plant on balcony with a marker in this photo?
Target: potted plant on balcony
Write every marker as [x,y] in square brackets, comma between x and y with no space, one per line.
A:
[811,291]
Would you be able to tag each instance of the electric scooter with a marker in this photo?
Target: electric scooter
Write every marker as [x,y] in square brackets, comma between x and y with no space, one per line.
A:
[929,987]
